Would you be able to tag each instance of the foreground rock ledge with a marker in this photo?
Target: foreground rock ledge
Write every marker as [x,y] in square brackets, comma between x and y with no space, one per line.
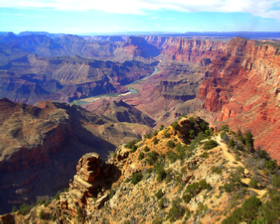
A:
[87,189]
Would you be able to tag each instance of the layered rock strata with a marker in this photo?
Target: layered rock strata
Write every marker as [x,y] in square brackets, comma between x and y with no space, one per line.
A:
[86,189]
[242,88]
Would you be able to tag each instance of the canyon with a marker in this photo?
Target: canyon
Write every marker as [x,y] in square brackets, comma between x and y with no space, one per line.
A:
[233,82]
[41,144]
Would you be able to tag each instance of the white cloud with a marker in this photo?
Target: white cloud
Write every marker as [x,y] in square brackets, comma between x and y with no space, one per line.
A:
[154,17]
[262,8]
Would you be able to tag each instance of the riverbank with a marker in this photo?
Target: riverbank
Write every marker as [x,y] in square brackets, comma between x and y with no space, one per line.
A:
[97,97]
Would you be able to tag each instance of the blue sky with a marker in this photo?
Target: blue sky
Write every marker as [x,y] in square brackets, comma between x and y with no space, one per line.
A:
[105,16]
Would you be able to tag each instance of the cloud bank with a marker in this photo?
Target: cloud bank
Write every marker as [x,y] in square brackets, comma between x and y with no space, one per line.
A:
[261,8]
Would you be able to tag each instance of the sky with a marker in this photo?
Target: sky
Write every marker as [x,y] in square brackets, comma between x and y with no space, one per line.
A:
[117,16]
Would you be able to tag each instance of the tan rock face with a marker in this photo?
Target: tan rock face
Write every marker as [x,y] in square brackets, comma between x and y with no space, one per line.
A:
[91,179]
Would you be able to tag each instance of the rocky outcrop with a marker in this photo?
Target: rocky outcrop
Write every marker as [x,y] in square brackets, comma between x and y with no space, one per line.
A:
[138,46]
[242,87]
[119,111]
[91,180]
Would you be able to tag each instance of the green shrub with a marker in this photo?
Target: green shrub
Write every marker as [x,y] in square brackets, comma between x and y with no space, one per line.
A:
[147,136]
[229,187]
[112,193]
[56,197]
[155,133]
[146,149]
[172,156]
[201,136]
[47,202]
[129,145]
[161,204]
[204,185]
[80,213]
[155,140]
[210,144]
[166,134]
[161,127]
[41,214]
[192,134]
[171,144]
[231,143]
[177,211]
[161,174]
[276,181]
[159,194]
[194,189]
[175,125]
[239,133]
[250,208]
[133,148]
[137,177]
[253,183]
[208,132]
[141,156]
[224,128]
[152,157]
[217,170]
[271,164]
[204,155]
[248,212]
[24,209]
[249,140]
[14,209]
[204,126]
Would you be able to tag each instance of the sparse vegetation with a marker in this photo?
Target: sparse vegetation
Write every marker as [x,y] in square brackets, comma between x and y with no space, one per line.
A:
[152,157]
[147,136]
[171,144]
[56,197]
[141,156]
[177,211]
[210,144]
[155,140]
[175,125]
[41,214]
[159,194]
[24,209]
[194,189]
[136,178]
[146,149]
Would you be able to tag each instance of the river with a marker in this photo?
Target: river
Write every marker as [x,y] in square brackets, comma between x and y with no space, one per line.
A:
[97,97]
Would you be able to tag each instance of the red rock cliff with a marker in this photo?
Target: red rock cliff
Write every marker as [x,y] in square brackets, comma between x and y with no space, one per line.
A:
[189,50]
[243,86]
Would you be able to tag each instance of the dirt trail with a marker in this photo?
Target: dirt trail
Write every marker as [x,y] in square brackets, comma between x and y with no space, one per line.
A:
[228,155]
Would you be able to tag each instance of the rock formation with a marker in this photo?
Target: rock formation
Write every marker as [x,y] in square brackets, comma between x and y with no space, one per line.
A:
[40,145]
[91,180]
[189,50]
[119,111]
[242,88]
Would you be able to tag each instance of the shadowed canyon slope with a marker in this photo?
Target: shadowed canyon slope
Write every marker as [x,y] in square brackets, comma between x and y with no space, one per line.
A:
[41,144]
